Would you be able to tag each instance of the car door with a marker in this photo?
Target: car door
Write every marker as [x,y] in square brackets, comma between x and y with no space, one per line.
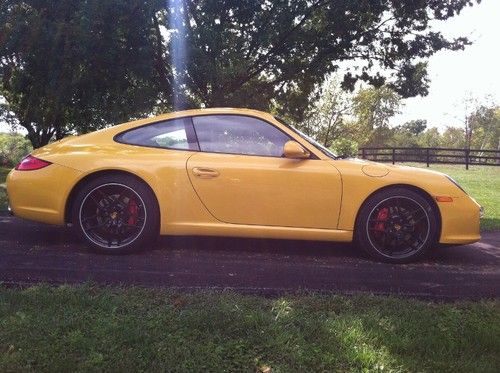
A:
[242,178]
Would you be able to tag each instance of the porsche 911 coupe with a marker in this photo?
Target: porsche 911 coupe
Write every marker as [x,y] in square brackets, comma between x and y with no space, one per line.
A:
[240,173]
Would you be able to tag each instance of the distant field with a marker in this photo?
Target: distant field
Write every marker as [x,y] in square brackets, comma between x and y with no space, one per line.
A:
[482,183]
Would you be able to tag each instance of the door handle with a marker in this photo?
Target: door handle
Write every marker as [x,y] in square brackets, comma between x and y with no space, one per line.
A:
[205,173]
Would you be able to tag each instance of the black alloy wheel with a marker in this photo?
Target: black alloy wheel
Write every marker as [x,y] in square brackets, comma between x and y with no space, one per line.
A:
[397,225]
[116,214]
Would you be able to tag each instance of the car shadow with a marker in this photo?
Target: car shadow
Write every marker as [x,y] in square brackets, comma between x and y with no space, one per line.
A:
[260,246]
[440,255]
[18,234]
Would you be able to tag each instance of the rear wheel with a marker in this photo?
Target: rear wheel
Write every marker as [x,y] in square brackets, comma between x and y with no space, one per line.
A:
[397,225]
[116,214]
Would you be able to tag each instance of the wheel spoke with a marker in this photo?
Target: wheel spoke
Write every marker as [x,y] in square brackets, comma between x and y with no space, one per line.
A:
[117,201]
[416,238]
[96,226]
[97,202]
[416,220]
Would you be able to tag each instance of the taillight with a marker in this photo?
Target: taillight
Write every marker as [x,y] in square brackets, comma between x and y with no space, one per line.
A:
[30,163]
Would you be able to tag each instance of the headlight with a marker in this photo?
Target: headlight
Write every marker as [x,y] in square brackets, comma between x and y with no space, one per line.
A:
[456,184]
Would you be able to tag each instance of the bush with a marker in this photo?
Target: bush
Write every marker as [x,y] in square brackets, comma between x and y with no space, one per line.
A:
[13,147]
[345,147]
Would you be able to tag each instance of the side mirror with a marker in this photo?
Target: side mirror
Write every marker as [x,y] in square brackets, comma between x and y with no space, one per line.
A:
[294,150]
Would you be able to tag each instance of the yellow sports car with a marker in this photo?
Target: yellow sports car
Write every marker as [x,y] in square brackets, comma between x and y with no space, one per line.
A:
[235,172]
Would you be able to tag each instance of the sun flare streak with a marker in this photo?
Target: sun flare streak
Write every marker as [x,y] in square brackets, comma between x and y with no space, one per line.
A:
[176,13]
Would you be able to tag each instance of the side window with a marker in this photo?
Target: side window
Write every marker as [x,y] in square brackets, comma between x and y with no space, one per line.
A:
[170,134]
[235,134]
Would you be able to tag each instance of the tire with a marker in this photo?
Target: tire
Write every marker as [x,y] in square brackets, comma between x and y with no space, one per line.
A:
[116,214]
[397,225]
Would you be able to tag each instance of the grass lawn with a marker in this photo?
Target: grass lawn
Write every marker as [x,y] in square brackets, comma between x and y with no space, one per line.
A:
[482,183]
[3,194]
[112,329]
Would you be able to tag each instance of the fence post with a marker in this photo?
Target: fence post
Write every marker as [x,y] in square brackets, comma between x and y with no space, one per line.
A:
[393,155]
[363,153]
[427,156]
[467,159]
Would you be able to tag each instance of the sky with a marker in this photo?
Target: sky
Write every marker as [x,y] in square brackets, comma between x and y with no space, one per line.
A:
[473,72]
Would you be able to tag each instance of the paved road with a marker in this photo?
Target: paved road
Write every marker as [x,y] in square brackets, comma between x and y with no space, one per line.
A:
[32,253]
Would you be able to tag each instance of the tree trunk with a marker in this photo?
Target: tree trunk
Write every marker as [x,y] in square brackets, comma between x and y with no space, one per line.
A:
[38,138]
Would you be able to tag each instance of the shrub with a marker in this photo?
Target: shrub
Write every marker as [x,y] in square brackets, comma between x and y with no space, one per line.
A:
[345,147]
[13,147]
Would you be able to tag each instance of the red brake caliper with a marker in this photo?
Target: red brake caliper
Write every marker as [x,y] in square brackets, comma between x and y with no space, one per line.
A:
[133,212]
[382,217]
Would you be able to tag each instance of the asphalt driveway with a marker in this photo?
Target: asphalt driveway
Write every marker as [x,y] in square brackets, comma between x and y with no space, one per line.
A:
[32,253]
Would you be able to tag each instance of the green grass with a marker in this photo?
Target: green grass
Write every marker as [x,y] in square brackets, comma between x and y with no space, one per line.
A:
[3,193]
[95,329]
[482,183]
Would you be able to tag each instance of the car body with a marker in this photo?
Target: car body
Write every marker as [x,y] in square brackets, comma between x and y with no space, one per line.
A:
[208,181]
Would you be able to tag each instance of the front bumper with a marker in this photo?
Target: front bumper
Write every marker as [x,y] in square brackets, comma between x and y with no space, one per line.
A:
[460,221]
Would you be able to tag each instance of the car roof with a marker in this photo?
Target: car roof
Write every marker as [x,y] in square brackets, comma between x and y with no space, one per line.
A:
[208,111]
[186,113]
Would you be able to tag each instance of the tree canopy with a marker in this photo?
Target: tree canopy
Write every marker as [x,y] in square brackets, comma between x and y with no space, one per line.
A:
[76,65]
[347,121]
[79,65]
[250,53]
[485,127]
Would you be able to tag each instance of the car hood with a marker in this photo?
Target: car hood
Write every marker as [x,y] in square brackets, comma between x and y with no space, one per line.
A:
[380,174]
[376,169]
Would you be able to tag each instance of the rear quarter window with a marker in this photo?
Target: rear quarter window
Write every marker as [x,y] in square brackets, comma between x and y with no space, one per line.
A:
[171,134]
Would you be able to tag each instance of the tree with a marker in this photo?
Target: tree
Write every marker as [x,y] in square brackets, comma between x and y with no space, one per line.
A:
[12,148]
[76,65]
[409,133]
[325,119]
[252,53]
[453,137]
[372,108]
[431,138]
[481,122]
[413,127]
[484,125]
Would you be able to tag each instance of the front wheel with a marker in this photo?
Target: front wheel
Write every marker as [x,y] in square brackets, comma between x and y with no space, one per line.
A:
[116,214]
[397,225]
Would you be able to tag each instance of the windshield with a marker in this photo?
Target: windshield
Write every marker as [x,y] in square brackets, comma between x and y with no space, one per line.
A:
[310,140]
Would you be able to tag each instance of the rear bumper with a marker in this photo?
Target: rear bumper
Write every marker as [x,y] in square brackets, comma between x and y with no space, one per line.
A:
[460,221]
[41,195]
